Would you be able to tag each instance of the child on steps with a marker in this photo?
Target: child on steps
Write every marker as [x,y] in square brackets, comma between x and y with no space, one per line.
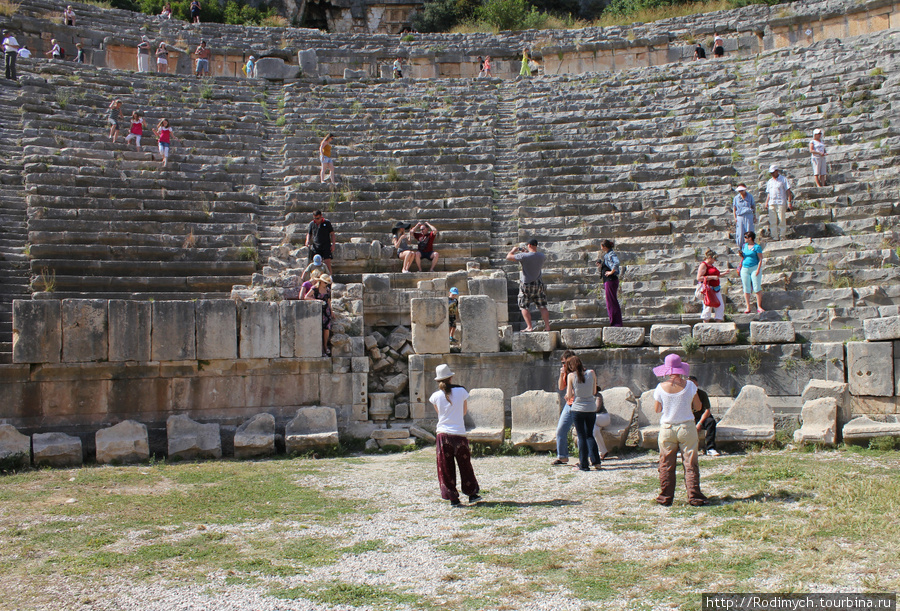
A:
[137,130]
[165,135]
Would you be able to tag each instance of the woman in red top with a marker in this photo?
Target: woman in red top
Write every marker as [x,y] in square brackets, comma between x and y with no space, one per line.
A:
[708,276]
[165,135]
[137,130]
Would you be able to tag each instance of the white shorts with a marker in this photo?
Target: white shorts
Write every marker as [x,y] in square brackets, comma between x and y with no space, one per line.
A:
[820,167]
[162,62]
[137,138]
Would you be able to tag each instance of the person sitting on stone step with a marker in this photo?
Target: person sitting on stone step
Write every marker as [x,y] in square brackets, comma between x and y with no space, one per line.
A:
[69,15]
[114,119]
[705,420]
[166,11]
[406,250]
[321,291]
[137,130]
[531,285]
[320,239]
[699,51]
[24,52]
[202,54]
[425,234]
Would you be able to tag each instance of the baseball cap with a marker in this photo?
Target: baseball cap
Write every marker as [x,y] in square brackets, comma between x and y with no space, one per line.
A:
[532,242]
[817,131]
[317,259]
[454,291]
[773,168]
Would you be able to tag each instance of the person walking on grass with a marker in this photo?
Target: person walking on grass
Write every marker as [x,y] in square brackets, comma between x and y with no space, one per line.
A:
[676,399]
[326,158]
[165,135]
[450,403]
[137,130]
[531,286]
[581,390]
[10,53]
[751,271]
[114,119]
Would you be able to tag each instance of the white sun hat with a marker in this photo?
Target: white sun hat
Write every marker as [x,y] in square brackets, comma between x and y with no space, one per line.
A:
[442,372]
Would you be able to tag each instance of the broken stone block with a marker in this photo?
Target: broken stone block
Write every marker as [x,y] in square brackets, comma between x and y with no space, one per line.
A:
[37,333]
[624,336]
[535,414]
[56,450]
[311,428]
[422,434]
[648,421]
[126,442]
[381,405]
[715,333]
[260,330]
[190,440]
[275,69]
[380,434]
[668,335]
[85,326]
[401,411]
[255,437]
[863,429]
[371,444]
[430,326]
[301,329]
[878,329]
[780,332]
[15,448]
[819,421]
[839,391]
[620,405]
[485,420]
[216,321]
[478,318]
[495,288]
[398,337]
[867,372]
[535,341]
[396,384]
[574,339]
[749,419]
[129,330]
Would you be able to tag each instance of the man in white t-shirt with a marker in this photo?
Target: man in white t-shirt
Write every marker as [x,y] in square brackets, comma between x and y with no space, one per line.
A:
[10,50]
[779,199]
[24,52]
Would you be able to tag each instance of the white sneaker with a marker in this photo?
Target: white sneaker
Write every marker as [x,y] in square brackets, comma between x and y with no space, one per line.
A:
[712,453]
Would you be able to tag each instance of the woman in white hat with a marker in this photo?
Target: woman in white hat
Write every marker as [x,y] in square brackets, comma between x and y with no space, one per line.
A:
[744,208]
[676,399]
[452,446]
[321,290]
[817,152]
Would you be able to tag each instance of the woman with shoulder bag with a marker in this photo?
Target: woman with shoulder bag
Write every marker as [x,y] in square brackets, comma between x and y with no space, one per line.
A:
[581,388]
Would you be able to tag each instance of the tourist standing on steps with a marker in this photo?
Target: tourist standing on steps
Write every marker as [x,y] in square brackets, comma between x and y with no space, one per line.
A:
[718,47]
[162,58]
[487,66]
[480,66]
[320,239]
[526,59]
[250,67]
[609,275]
[705,420]
[55,51]
[143,55]
[24,53]
[817,151]
[531,285]
[453,312]
[321,291]
[708,277]
[397,68]
[744,208]
[406,250]
[779,199]
[195,11]
[115,119]
[425,234]
[80,57]
[10,53]
[450,403]
[581,390]
[165,135]
[564,426]
[676,399]
[203,54]
[69,15]
[137,130]
[326,158]
[699,51]
[751,271]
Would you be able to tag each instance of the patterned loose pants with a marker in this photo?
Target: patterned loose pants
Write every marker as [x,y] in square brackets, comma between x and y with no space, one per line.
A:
[453,450]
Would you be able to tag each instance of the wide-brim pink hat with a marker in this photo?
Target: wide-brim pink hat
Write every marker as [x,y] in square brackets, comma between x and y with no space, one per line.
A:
[672,365]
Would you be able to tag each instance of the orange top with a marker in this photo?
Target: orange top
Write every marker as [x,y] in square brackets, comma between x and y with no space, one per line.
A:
[326,150]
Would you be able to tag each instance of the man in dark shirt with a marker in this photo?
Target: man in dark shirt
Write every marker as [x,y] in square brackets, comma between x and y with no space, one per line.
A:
[531,286]
[705,420]
[425,234]
[320,239]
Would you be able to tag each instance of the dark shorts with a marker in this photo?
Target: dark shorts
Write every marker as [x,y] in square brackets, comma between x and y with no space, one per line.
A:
[428,256]
[326,254]
[195,13]
[532,292]
[719,51]
[453,322]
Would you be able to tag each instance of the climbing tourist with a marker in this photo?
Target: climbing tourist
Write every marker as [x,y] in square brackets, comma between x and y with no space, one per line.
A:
[162,58]
[453,312]
[744,208]
[425,234]
[480,66]
[817,152]
[450,403]
[304,287]
[609,275]
[166,11]
[779,199]
[114,118]
[69,15]
[396,68]
[705,420]
[718,47]
[10,53]
[487,66]
[326,158]
[137,130]
[321,291]
[56,51]
[531,285]
[316,264]
[676,399]
[143,55]
[202,53]
[24,53]
[526,60]
[79,54]
[165,135]
[406,251]
[320,239]
[564,425]
[751,271]
[250,67]
[699,51]
[581,390]
[195,11]
[708,285]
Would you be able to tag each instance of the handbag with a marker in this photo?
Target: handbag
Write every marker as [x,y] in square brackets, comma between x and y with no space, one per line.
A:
[710,298]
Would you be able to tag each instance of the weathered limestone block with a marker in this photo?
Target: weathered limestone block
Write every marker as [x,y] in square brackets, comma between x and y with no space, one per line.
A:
[275,69]
[216,329]
[381,405]
[648,421]
[624,336]
[535,341]
[399,337]
[495,288]
[312,427]
[819,421]
[422,434]
[301,329]
[396,384]
[173,335]
[430,325]
[833,356]
[84,330]
[15,448]
[355,74]
[460,280]
[260,330]
[125,442]
[401,411]
[129,330]
[668,335]
[37,334]
[56,450]
[780,332]
[379,434]
[190,440]
[748,419]
[309,62]
[839,391]
[715,333]
[877,329]
[574,339]
[535,414]
[870,368]
[863,429]
[485,421]
[620,404]
[478,317]
[255,437]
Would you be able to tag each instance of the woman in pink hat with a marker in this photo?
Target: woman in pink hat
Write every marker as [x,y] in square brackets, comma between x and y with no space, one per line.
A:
[676,399]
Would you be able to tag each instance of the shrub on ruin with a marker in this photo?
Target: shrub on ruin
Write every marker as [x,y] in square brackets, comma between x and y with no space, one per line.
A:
[438,16]
[510,15]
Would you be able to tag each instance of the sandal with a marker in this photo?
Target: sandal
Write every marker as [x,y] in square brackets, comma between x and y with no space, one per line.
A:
[559,461]
[746,311]
[759,310]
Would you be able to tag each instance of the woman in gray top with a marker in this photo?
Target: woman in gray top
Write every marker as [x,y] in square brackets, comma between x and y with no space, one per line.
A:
[581,389]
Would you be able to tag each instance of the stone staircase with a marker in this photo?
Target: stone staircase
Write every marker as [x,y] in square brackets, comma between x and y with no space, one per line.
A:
[272,189]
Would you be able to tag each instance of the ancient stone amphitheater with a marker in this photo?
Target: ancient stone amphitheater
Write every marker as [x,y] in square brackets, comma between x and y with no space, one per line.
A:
[133,292]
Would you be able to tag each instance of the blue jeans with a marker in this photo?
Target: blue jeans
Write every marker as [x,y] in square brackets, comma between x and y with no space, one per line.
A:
[587,445]
[566,419]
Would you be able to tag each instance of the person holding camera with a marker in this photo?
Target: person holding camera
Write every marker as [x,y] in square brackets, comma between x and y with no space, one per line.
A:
[531,286]
[609,275]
